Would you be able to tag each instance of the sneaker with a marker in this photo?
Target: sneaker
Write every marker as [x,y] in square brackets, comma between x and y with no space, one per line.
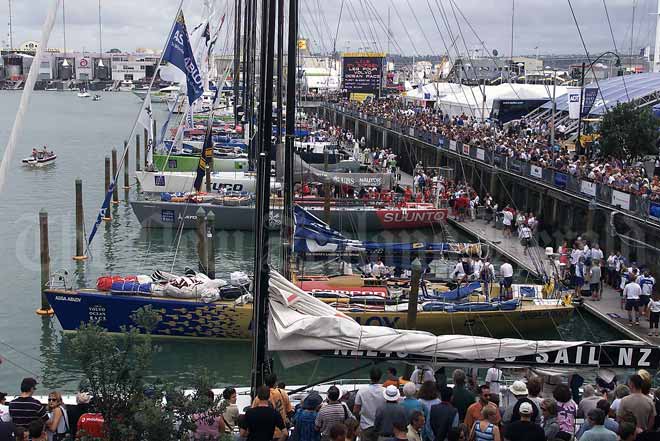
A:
[630,323]
[637,323]
[650,334]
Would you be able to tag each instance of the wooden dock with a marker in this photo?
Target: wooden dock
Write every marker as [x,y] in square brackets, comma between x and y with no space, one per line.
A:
[608,309]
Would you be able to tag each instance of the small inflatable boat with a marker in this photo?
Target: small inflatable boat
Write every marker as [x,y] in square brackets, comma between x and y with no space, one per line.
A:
[40,159]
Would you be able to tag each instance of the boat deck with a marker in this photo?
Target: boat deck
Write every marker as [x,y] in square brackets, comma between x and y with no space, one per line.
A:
[608,309]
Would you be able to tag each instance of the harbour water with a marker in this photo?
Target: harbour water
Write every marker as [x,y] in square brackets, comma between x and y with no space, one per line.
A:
[82,132]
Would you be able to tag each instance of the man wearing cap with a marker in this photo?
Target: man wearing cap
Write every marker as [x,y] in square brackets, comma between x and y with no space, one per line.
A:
[389,413]
[25,409]
[524,429]
[512,413]
[304,419]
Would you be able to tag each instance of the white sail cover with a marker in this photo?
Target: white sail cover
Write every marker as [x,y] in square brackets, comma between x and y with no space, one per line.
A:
[302,326]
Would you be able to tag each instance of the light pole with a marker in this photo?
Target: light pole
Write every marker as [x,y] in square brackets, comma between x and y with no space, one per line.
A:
[554,105]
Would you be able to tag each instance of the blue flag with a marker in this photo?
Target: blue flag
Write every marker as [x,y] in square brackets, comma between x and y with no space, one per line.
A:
[180,54]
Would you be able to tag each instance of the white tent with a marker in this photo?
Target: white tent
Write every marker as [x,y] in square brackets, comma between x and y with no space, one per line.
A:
[457,99]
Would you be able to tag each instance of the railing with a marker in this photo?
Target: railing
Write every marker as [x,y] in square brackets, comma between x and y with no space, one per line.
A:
[604,194]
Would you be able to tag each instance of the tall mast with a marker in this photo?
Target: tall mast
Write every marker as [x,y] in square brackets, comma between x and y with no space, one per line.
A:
[280,67]
[237,56]
[262,251]
[656,50]
[287,243]
[100,39]
[11,30]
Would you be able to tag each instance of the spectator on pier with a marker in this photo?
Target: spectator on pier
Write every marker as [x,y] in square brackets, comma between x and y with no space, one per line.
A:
[506,272]
[410,402]
[524,429]
[462,398]
[208,425]
[580,275]
[525,235]
[304,420]
[631,294]
[341,432]
[474,410]
[367,402]
[390,413]
[231,413]
[609,422]
[588,401]
[638,404]
[512,413]
[4,409]
[566,408]
[24,409]
[595,280]
[598,431]
[647,282]
[550,424]
[37,431]
[416,425]
[423,373]
[428,397]
[261,420]
[443,416]
[486,429]
[58,423]
[653,312]
[333,412]
[507,221]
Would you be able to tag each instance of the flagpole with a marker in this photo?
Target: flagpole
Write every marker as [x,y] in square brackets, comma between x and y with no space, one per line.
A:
[111,188]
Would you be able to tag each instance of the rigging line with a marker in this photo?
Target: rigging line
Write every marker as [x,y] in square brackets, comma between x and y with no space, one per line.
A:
[314,25]
[586,51]
[35,375]
[356,22]
[483,44]
[372,28]
[405,28]
[616,50]
[421,28]
[632,30]
[368,33]
[383,25]
[20,352]
[334,44]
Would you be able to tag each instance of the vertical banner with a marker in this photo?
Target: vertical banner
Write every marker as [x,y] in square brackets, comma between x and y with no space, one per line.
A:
[561,179]
[466,149]
[452,145]
[481,154]
[654,210]
[536,171]
[587,187]
[573,94]
[590,94]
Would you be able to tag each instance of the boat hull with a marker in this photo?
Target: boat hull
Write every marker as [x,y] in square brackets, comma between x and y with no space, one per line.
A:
[225,320]
[161,214]
[175,182]
[179,163]
[41,162]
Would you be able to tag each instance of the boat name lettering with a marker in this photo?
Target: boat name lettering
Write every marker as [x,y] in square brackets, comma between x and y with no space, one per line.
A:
[378,321]
[217,186]
[68,299]
[413,216]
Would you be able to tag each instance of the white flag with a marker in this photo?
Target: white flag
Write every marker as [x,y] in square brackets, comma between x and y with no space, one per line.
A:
[574,95]
[145,121]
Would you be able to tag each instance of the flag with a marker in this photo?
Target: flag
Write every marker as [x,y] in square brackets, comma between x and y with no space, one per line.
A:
[145,119]
[180,54]
[205,158]
[207,33]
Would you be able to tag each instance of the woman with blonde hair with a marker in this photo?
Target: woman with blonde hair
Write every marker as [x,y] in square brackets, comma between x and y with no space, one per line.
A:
[485,429]
[57,426]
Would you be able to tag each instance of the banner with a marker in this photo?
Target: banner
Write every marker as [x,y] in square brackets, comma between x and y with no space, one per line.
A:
[654,210]
[621,199]
[362,74]
[573,96]
[514,166]
[561,179]
[481,154]
[587,187]
[536,171]
[452,145]
[180,54]
[466,149]
[590,94]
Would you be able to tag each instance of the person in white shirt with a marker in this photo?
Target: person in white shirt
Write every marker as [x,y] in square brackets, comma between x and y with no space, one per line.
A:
[506,271]
[507,221]
[379,270]
[493,380]
[647,283]
[487,275]
[653,311]
[525,235]
[597,253]
[421,375]
[459,273]
[631,294]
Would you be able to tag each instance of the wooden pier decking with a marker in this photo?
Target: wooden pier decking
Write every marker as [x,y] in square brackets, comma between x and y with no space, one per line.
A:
[608,309]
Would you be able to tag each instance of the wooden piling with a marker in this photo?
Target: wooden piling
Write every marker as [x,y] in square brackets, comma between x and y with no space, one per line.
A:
[202,253]
[126,183]
[411,319]
[80,223]
[210,246]
[115,193]
[44,257]
[137,152]
[107,216]
[327,189]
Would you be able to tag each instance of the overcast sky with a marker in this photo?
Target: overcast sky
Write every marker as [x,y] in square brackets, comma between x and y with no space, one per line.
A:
[546,24]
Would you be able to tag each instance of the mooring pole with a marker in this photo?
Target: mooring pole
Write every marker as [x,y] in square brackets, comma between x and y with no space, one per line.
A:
[115,193]
[202,254]
[44,257]
[210,246]
[411,318]
[80,223]
[126,184]
[326,189]
[137,152]
[107,186]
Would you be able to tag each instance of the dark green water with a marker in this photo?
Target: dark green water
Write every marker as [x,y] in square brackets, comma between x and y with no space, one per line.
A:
[82,132]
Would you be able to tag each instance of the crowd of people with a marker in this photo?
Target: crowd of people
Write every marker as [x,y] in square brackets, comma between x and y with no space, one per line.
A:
[420,407]
[525,140]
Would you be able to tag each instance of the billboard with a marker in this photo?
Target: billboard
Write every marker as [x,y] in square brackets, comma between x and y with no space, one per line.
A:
[362,72]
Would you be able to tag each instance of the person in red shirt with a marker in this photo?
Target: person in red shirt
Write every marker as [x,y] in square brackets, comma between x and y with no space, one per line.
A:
[91,425]
[407,194]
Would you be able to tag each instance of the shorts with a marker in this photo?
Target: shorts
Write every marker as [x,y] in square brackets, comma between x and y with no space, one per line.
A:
[632,304]
[507,282]
[593,287]
[579,281]
[644,300]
